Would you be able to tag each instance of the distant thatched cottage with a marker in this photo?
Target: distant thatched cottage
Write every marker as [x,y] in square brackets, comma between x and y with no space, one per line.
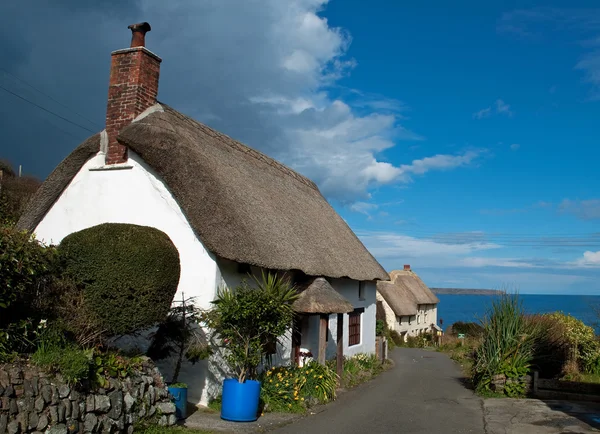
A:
[407,304]
[228,209]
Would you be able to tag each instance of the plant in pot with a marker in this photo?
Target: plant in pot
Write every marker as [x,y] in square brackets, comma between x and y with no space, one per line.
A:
[180,335]
[246,321]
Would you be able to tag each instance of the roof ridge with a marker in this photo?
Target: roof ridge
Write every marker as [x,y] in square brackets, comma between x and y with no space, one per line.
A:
[234,144]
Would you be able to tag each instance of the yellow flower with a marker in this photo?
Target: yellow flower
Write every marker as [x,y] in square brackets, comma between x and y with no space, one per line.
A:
[290,405]
[268,373]
[296,398]
[316,387]
[277,385]
[270,381]
[314,376]
[301,399]
[320,376]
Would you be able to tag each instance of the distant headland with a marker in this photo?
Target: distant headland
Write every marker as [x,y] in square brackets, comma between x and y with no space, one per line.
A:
[464,291]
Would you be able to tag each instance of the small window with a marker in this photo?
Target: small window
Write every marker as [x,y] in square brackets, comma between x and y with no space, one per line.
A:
[409,320]
[243,268]
[361,290]
[354,327]
[399,320]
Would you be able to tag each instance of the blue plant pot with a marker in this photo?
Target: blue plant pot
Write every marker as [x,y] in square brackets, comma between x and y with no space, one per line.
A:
[240,400]
[179,395]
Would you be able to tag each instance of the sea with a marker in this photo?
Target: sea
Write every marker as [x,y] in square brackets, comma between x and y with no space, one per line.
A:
[472,308]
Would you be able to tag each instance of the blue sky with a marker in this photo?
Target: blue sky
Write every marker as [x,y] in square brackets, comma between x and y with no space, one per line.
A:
[460,138]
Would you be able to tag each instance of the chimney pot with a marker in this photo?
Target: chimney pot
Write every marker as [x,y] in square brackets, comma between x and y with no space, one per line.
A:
[138,34]
[407,268]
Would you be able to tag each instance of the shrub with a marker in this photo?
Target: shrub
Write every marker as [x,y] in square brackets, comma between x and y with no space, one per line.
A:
[470,329]
[396,338]
[359,368]
[130,274]
[25,268]
[507,345]
[247,320]
[295,388]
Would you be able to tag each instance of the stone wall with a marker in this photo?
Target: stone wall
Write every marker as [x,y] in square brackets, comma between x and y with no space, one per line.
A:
[34,402]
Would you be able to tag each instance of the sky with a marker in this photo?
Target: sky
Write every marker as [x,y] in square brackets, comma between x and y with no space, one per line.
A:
[461,138]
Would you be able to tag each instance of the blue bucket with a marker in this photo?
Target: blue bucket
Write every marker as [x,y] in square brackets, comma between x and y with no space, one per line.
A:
[240,400]
[179,395]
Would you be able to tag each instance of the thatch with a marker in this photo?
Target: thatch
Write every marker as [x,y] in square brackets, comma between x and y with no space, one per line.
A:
[409,280]
[243,205]
[398,298]
[57,181]
[319,296]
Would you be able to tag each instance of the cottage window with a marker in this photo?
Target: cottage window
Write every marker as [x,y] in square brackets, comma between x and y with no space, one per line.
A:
[354,326]
[361,290]
[399,320]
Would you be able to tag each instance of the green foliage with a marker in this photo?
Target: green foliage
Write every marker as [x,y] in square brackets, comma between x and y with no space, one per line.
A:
[112,365]
[56,355]
[396,338]
[247,319]
[26,267]
[359,368]
[15,193]
[507,344]
[293,389]
[470,329]
[380,327]
[181,335]
[130,274]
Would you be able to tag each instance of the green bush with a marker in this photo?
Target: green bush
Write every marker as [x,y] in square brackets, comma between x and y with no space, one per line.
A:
[130,274]
[396,338]
[507,346]
[26,266]
[359,368]
[293,388]
[471,329]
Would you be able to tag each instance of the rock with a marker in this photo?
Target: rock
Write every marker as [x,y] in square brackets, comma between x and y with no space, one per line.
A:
[74,395]
[89,403]
[9,391]
[130,429]
[46,392]
[28,388]
[12,427]
[63,391]
[12,407]
[90,423]
[42,423]
[33,420]
[54,395]
[166,407]
[81,406]
[44,381]
[62,412]
[25,404]
[4,403]
[142,413]
[151,411]
[151,394]
[53,413]
[35,385]
[116,404]
[16,376]
[39,404]
[3,421]
[171,420]
[72,426]
[162,421]
[1,390]
[74,411]
[129,401]
[4,380]
[58,429]
[102,403]
[68,406]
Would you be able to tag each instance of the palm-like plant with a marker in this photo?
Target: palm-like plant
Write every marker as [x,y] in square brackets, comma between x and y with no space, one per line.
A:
[246,319]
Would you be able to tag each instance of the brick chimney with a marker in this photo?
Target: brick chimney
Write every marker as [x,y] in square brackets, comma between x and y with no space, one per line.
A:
[407,268]
[133,88]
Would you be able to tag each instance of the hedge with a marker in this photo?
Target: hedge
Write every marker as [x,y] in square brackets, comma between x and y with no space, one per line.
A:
[129,273]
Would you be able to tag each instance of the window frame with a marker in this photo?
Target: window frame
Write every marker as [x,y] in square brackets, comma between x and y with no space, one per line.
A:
[355,327]
[361,290]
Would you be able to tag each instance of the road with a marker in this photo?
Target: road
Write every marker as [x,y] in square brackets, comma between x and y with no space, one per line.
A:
[421,394]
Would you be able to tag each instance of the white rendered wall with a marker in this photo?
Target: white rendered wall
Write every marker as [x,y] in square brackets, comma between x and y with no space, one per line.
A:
[349,289]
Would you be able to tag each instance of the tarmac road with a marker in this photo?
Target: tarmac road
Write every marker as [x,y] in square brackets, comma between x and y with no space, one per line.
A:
[422,394]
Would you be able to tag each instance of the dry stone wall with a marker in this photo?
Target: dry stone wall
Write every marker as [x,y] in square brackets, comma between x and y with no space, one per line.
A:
[34,402]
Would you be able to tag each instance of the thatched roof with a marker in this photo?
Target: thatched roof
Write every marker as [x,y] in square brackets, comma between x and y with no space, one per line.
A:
[405,292]
[409,280]
[243,205]
[318,296]
[57,181]
[399,299]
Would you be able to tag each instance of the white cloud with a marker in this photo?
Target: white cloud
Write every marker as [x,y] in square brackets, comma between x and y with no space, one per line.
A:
[363,207]
[515,146]
[589,260]
[499,108]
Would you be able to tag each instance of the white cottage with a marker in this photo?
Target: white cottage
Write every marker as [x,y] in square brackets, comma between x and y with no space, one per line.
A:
[228,208]
[407,304]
